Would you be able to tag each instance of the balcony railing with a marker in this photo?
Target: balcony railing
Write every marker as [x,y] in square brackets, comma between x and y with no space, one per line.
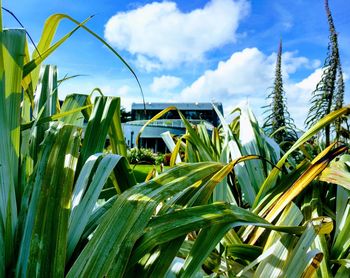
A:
[174,123]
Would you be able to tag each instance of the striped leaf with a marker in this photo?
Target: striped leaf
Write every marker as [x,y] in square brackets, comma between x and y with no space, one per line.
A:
[87,189]
[115,132]
[73,102]
[271,179]
[109,249]
[46,97]
[280,244]
[320,163]
[43,246]
[11,62]
[97,127]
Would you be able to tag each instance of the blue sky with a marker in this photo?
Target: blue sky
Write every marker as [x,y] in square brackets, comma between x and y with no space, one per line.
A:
[221,50]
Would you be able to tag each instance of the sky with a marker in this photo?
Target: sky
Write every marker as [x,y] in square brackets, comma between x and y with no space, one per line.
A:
[193,51]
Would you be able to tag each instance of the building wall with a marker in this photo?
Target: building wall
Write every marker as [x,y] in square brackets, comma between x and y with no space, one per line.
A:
[151,136]
[132,130]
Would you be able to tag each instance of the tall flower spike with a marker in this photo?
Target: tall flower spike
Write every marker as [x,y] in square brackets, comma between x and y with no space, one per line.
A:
[325,96]
[279,123]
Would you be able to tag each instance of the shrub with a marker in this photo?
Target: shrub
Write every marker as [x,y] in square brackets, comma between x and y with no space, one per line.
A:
[159,158]
[136,155]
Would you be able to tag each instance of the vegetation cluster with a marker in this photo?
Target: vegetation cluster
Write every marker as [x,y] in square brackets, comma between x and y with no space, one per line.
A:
[145,156]
[236,202]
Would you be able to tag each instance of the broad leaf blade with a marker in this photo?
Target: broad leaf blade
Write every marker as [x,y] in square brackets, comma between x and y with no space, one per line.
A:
[12,58]
[43,246]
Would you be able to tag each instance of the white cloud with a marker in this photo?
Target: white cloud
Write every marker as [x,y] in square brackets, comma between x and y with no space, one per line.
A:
[165,83]
[161,35]
[244,74]
[292,62]
[127,90]
[123,91]
[299,95]
[147,64]
[248,75]
[309,83]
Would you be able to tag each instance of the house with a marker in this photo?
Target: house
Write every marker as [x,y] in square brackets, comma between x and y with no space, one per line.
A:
[151,136]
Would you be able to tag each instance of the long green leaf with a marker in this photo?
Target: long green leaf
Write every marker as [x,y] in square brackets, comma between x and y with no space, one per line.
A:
[240,169]
[299,259]
[271,179]
[208,238]
[312,208]
[342,242]
[281,244]
[88,187]
[32,67]
[46,97]
[97,128]
[249,140]
[75,101]
[116,136]
[44,242]
[109,249]
[12,58]
[172,225]
[305,179]
[96,217]
[62,115]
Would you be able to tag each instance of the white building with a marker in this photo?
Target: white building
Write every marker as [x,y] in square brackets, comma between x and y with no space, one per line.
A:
[151,136]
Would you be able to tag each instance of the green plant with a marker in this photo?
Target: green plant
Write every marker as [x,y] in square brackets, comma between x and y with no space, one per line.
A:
[275,188]
[329,93]
[125,115]
[233,208]
[42,158]
[278,123]
[141,155]
[160,158]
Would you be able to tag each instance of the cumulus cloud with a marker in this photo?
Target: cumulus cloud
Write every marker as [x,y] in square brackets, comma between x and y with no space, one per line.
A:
[161,35]
[248,75]
[165,83]
[123,90]
[243,75]
[299,95]
[148,64]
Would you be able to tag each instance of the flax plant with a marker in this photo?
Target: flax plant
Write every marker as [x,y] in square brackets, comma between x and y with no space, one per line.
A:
[233,207]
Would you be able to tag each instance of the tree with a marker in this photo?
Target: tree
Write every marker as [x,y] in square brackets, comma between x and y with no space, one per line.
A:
[278,123]
[329,93]
[125,115]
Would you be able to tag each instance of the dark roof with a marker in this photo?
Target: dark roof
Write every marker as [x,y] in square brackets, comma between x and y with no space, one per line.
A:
[179,105]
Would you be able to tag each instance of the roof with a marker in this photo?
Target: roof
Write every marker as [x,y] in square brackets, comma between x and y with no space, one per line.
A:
[179,105]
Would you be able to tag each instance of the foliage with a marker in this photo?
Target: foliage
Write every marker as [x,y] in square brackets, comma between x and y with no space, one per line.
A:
[329,93]
[141,155]
[234,207]
[144,155]
[278,123]
[160,158]
[125,115]
[339,102]
[287,195]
